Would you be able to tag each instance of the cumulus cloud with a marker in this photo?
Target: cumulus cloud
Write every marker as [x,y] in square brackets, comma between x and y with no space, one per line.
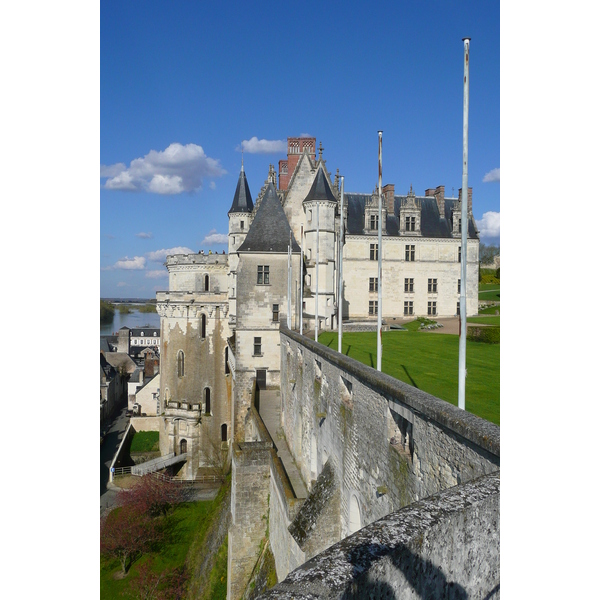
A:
[489,225]
[144,235]
[157,274]
[493,175]
[214,238]
[256,146]
[172,171]
[160,255]
[135,263]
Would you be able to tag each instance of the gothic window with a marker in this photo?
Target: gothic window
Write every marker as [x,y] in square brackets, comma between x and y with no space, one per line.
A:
[432,286]
[408,307]
[276,313]
[257,346]
[409,285]
[180,364]
[374,252]
[432,308]
[372,307]
[373,284]
[262,277]
[409,252]
[207,400]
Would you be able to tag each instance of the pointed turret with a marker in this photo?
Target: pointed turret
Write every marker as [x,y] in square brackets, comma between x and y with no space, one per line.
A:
[270,230]
[320,190]
[242,200]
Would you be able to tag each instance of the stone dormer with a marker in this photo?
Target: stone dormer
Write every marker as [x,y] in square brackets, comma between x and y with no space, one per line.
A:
[410,214]
[371,223]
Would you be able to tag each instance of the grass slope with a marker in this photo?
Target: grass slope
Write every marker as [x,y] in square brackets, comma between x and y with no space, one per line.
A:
[429,362]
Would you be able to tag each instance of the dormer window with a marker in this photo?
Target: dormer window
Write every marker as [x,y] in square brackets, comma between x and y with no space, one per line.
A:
[410,223]
[374,222]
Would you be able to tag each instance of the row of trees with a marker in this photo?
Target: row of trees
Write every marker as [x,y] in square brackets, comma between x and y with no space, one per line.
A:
[139,525]
[107,311]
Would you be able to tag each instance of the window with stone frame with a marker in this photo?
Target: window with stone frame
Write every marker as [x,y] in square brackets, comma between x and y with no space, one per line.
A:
[257,346]
[373,284]
[374,252]
[432,286]
[410,223]
[458,308]
[458,291]
[432,307]
[374,222]
[409,285]
[373,307]
[409,252]
[242,225]
[459,252]
[262,277]
[180,364]
[276,313]
[408,307]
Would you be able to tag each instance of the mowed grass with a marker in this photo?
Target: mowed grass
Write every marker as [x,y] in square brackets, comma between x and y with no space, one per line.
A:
[485,320]
[429,362]
[145,441]
[489,291]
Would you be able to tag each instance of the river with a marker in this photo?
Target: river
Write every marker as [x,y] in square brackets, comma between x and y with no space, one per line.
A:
[134,319]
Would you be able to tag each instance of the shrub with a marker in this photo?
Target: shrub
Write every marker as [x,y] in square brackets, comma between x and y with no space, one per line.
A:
[487,335]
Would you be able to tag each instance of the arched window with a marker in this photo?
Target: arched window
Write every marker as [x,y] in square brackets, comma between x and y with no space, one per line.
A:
[203,326]
[224,432]
[206,283]
[183,446]
[207,400]
[180,364]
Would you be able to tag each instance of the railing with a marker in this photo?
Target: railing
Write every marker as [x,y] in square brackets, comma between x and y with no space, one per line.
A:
[168,478]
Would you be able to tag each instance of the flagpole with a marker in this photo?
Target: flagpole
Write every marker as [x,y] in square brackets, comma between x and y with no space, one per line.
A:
[289,302]
[462,348]
[379,256]
[317,282]
[340,271]
[301,278]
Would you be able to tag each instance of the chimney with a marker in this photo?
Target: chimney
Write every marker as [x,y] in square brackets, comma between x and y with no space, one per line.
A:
[388,198]
[429,192]
[439,197]
[469,199]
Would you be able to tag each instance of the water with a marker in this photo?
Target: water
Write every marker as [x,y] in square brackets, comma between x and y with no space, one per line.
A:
[135,319]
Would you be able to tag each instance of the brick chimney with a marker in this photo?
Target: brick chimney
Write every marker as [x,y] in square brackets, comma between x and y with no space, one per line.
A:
[439,197]
[388,198]
[296,147]
[469,200]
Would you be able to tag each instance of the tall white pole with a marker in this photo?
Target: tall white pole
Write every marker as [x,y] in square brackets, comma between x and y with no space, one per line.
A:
[317,281]
[340,271]
[462,348]
[379,255]
[301,278]
[289,299]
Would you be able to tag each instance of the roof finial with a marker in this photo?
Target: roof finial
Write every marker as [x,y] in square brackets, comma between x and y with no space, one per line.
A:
[320,150]
[242,160]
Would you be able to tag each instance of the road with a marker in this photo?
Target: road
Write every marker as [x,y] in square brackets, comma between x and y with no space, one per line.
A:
[108,450]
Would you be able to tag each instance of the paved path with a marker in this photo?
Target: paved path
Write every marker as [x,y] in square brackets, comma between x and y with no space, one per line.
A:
[115,432]
[270,411]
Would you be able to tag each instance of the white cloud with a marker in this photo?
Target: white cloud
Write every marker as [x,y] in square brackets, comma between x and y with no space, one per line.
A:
[160,255]
[110,236]
[489,225]
[493,175]
[305,135]
[121,284]
[212,185]
[135,263]
[157,274]
[173,171]
[256,146]
[144,235]
[214,238]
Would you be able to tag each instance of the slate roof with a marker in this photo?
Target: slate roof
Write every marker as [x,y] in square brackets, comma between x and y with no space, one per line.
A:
[242,200]
[431,224]
[320,189]
[147,331]
[270,230]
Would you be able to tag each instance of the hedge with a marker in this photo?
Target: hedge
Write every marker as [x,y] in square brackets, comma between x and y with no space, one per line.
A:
[488,335]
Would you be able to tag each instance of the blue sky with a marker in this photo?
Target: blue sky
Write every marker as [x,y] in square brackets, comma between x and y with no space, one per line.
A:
[184,86]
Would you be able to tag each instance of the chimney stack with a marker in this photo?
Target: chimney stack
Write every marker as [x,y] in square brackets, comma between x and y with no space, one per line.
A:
[439,197]
[469,199]
[388,197]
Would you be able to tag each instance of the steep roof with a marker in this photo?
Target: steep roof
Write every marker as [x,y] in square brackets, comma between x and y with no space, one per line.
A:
[242,200]
[320,189]
[270,230]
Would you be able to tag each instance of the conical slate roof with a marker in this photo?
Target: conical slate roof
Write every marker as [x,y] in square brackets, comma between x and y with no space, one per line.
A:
[270,230]
[320,189]
[242,200]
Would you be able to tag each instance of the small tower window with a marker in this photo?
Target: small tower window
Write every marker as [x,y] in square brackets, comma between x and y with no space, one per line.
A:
[203,326]
[242,225]
[207,400]
[206,281]
[180,364]
[224,432]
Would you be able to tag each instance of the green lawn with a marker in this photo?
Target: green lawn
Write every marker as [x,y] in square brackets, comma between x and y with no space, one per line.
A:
[429,362]
[145,441]
[485,320]
[489,291]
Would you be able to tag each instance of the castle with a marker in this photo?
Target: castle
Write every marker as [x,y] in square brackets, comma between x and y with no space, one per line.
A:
[229,330]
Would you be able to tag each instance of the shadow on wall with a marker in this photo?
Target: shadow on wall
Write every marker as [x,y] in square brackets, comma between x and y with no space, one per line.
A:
[427,580]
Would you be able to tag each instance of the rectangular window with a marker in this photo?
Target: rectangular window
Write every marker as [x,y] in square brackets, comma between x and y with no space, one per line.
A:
[458,308]
[257,346]
[432,286]
[276,312]
[432,308]
[374,221]
[459,225]
[242,225]
[408,307]
[372,307]
[410,223]
[262,277]
[374,252]
[373,284]
[409,252]
[459,251]
[459,286]
[409,285]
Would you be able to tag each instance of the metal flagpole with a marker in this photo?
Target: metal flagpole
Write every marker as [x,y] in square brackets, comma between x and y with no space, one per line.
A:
[379,256]
[462,348]
[301,278]
[340,271]
[317,282]
[289,302]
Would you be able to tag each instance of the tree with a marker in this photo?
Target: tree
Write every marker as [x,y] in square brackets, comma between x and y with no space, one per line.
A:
[164,585]
[487,253]
[125,534]
[107,312]
[152,496]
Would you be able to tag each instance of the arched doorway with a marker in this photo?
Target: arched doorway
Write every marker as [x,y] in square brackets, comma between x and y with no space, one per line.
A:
[182,446]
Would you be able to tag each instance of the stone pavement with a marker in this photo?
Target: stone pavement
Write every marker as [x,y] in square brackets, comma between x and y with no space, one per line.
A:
[270,412]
